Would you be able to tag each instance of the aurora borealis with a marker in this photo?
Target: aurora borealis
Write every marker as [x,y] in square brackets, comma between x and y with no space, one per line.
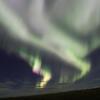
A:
[52,39]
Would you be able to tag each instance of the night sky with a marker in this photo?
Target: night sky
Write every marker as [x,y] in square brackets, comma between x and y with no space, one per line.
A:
[17,78]
[15,73]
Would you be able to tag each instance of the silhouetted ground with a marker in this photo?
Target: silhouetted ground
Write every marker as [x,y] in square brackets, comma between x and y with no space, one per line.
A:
[75,95]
